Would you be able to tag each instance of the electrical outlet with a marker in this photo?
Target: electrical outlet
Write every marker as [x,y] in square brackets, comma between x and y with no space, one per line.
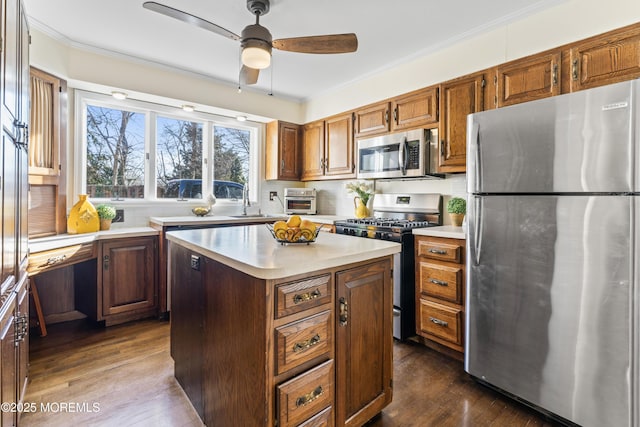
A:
[119,216]
[273,195]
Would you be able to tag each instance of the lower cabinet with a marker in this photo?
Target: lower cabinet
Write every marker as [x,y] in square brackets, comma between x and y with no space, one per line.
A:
[119,285]
[9,359]
[440,283]
[311,350]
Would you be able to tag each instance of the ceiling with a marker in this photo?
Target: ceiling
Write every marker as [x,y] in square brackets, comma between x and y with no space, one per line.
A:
[389,33]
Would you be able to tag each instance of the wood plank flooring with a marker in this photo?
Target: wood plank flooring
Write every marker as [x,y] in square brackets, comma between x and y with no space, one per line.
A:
[127,372]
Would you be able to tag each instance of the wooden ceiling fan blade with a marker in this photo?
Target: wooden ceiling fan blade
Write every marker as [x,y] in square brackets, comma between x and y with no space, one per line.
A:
[332,43]
[248,75]
[189,19]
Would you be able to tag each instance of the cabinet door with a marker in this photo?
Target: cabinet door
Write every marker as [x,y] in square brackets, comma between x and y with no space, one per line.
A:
[372,120]
[606,59]
[9,209]
[128,275]
[364,342]
[282,151]
[11,65]
[415,109]
[8,375]
[339,160]
[458,98]
[22,330]
[313,151]
[527,79]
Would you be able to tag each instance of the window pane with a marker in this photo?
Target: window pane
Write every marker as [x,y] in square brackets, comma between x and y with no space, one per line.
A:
[115,153]
[179,159]
[231,154]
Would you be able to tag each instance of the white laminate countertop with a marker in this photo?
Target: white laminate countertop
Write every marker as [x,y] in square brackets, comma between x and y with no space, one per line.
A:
[192,220]
[253,250]
[62,240]
[448,231]
[325,219]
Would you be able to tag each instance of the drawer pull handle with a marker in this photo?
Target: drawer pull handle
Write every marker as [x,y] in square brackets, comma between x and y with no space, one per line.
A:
[298,298]
[56,259]
[439,322]
[438,251]
[305,345]
[309,397]
[438,282]
[344,311]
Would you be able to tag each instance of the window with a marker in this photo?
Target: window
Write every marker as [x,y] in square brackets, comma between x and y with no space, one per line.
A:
[115,153]
[137,150]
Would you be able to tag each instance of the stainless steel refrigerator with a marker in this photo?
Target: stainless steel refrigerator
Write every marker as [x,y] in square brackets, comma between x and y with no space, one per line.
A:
[552,308]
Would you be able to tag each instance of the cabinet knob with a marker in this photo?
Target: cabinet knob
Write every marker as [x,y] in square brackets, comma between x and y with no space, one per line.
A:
[344,311]
[105,262]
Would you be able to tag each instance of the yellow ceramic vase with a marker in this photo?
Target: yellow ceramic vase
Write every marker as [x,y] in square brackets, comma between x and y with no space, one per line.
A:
[83,217]
[361,208]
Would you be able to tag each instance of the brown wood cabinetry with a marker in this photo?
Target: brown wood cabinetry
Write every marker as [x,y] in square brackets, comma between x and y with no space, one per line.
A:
[608,58]
[328,151]
[440,282]
[313,151]
[283,151]
[8,365]
[372,119]
[364,343]
[415,109]
[127,287]
[527,79]
[458,98]
[310,350]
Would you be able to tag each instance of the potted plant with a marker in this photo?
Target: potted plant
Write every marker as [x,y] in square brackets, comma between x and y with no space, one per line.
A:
[457,208]
[106,214]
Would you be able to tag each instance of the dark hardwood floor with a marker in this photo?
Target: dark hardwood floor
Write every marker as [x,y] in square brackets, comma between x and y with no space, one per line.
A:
[123,376]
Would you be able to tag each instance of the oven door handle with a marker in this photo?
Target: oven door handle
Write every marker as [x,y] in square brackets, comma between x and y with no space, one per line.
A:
[402,156]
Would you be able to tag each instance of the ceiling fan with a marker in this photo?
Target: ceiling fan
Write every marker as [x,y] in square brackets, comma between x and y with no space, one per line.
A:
[256,41]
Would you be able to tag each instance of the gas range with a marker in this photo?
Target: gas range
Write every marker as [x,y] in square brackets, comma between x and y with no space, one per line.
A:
[395,215]
[380,228]
[394,218]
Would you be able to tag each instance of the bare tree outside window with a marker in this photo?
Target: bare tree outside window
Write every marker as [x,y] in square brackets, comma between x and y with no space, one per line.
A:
[179,157]
[115,153]
[231,151]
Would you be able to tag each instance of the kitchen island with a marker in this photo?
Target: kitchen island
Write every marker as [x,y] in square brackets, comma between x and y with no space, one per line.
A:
[287,335]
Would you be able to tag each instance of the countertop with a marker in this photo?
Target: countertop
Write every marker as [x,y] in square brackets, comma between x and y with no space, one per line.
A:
[448,231]
[62,240]
[253,250]
[225,219]
[212,219]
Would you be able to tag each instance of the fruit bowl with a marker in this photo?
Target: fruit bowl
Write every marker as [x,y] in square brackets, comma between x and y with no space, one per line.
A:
[201,211]
[294,235]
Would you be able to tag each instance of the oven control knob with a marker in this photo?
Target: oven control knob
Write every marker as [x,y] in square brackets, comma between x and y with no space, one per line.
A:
[352,232]
[378,235]
[364,233]
[386,236]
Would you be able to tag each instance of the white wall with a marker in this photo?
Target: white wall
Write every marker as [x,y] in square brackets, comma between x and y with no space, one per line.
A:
[571,21]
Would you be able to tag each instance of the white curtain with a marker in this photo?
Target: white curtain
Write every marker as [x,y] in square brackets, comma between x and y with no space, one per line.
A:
[41,126]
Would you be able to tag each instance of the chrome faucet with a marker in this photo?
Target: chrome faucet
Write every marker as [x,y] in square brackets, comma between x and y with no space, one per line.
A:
[245,199]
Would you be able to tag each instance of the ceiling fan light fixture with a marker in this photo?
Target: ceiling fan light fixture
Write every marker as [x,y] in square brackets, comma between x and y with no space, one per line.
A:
[256,57]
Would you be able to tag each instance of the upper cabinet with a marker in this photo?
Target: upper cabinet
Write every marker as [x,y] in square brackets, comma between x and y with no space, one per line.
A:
[408,111]
[458,98]
[415,109]
[328,149]
[372,119]
[283,151]
[533,77]
[47,145]
[605,59]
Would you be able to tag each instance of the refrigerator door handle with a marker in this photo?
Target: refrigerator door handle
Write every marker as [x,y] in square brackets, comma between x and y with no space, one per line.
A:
[475,137]
[477,231]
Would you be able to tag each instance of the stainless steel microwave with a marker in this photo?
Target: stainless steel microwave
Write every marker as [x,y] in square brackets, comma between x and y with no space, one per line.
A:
[407,154]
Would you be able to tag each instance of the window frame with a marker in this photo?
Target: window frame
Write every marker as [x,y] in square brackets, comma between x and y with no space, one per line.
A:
[151,111]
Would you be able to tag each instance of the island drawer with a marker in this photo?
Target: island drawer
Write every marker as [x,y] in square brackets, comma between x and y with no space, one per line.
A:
[59,257]
[441,321]
[293,297]
[436,248]
[441,281]
[301,341]
[306,395]
[323,419]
